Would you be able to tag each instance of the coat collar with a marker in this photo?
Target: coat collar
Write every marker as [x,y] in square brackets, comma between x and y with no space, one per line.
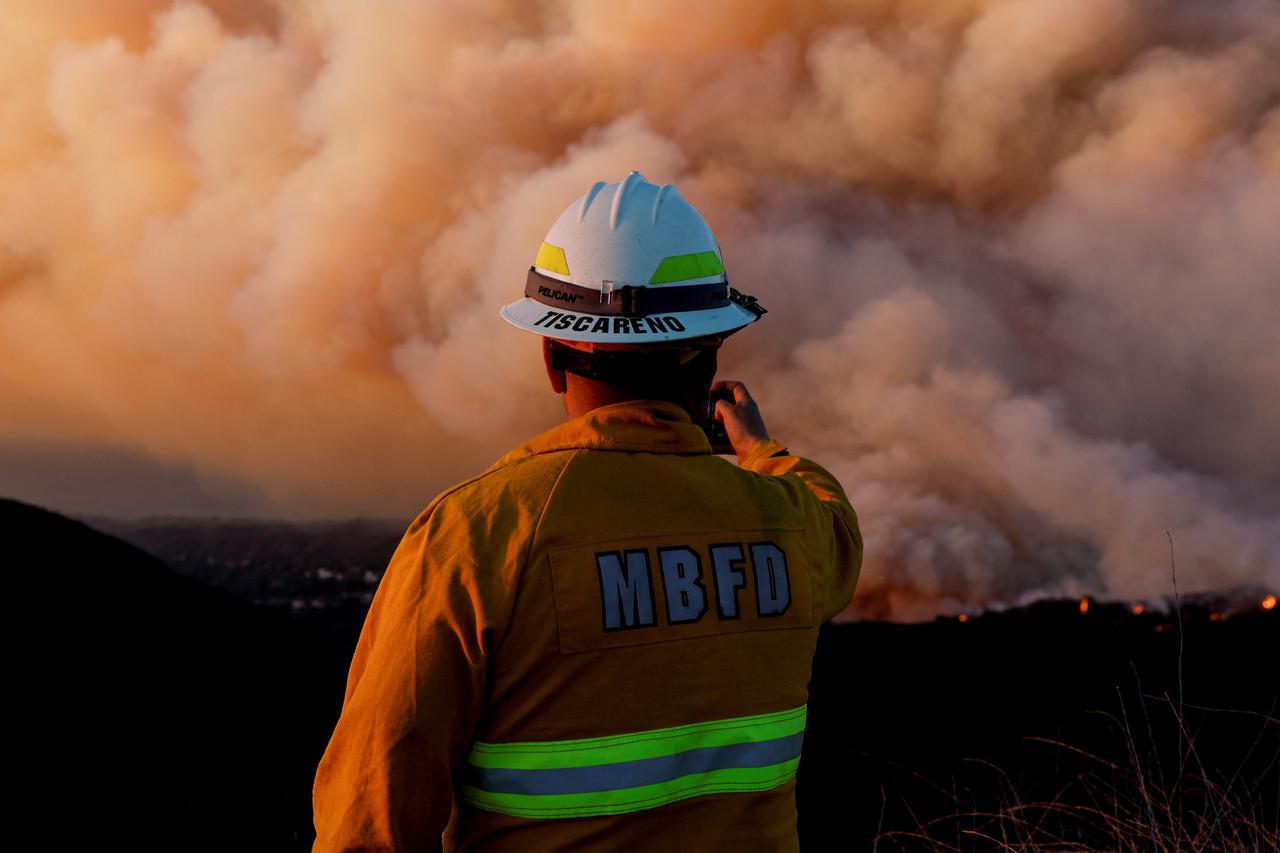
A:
[646,426]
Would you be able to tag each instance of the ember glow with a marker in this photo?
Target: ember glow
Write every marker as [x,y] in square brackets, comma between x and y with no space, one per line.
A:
[1269,603]
[1019,257]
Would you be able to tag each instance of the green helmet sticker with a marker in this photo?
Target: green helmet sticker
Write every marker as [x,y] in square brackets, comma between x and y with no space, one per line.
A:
[685,267]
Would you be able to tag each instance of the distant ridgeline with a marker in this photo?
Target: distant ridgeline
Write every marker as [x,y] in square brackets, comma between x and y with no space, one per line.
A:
[300,566]
[177,715]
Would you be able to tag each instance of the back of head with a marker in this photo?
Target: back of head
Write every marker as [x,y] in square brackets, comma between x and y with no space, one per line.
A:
[679,371]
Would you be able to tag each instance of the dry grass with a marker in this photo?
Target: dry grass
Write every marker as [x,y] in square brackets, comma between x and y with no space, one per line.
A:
[1156,793]
[1154,787]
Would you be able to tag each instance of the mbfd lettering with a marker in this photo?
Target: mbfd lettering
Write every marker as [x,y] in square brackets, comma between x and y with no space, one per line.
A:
[627,587]
[626,591]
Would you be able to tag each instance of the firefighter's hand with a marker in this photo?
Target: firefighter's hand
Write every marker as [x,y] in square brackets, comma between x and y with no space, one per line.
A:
[742,421]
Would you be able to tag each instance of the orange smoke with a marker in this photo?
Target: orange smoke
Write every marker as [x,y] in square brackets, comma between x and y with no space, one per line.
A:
[1019,259]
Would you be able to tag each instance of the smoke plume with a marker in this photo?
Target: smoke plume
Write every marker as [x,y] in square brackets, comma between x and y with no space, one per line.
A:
[1021,256]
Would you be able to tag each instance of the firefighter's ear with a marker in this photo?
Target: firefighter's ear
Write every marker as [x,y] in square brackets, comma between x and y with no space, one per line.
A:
[558,382]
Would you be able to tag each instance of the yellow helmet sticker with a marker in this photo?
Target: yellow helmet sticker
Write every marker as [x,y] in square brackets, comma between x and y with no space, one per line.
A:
[551,258]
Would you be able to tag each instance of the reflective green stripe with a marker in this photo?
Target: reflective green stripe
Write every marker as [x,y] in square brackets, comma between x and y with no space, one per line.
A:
[632,799]
[685,267]
[639,770]
[638,745]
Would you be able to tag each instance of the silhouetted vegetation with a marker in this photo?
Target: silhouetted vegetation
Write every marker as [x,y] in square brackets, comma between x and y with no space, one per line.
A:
[163,712]
[1043,728]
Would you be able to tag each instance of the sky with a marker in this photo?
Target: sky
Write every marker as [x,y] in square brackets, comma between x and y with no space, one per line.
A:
[1020,259]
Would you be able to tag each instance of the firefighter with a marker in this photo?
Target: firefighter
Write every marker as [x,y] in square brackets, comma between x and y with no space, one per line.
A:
[604,641]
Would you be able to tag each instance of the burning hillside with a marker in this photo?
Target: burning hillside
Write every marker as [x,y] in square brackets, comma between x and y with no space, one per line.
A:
[328,572]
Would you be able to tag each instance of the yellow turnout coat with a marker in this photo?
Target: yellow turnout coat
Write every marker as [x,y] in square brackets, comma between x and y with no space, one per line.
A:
[603,642]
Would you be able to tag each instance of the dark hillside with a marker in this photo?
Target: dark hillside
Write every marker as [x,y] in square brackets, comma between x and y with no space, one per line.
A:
[167,713]
[154,711]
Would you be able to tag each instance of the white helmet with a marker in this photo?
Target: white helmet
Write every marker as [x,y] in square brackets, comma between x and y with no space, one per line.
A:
[630,263]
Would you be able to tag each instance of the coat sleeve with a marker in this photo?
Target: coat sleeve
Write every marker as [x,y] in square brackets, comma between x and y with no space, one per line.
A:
[414,691]
[831,520]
